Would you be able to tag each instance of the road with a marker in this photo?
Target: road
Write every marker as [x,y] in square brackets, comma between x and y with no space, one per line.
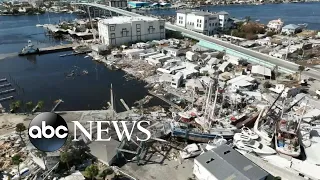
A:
[263,57]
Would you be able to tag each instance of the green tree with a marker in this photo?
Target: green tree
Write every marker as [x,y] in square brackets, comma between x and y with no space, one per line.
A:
[40,104]
[91,171]
[42,155]
[20,128]
[65,157]
[16,160]
[29,106]
[12,106]
[106,172]
[18,104]
[300,69]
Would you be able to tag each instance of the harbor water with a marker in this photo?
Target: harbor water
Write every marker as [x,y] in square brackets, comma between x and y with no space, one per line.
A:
[43,77]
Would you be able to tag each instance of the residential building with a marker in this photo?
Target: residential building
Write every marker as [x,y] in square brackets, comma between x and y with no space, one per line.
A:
[258,70]
[203,22]
[176,80]
[118,3]
[122,30]
[275,25]
[172,51]
[224,162]
[291,29]
[138,4]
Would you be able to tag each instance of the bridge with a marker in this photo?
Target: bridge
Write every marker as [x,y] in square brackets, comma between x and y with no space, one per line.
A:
[211,42]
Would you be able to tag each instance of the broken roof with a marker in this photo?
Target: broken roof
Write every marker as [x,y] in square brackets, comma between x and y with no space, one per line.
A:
[224,162]
[257,69]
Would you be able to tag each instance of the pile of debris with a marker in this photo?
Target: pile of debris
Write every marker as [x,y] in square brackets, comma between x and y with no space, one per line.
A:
[10,146]
[137,68]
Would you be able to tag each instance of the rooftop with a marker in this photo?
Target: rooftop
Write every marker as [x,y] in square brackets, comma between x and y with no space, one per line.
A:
[226,163]
[124,19]
[291,26]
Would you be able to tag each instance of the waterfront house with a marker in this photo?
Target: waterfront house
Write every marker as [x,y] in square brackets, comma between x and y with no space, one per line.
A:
[275,25]
[121,30]
[291,29]
[203,22]
[224,162]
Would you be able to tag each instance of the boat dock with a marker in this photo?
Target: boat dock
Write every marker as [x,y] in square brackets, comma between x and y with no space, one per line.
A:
[7,91]
[6,98]
[3,80]
[5,85]
[58,48]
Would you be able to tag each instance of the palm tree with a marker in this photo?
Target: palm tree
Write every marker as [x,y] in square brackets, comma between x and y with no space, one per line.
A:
[18,104]
[65,157]
[300,69]
[29,106]
[40,105]
[20,127]
[91,171]
[16,160]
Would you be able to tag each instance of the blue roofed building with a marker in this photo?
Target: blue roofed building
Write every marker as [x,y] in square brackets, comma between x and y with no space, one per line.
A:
[138,4]
[291,29]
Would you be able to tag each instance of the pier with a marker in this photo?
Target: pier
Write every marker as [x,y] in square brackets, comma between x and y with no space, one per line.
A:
[58,48]
[35,108]
[7,91]
[6,98]
[5,85]
[3,80]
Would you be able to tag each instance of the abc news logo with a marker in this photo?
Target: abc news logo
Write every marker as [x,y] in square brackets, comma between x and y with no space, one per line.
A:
[49,131]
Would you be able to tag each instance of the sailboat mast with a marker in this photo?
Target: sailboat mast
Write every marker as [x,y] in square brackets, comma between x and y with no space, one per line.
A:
[93,33]
[214,103]
[111,101]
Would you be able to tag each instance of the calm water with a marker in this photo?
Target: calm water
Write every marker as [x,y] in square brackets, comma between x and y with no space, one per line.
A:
[43,77]
[293,13]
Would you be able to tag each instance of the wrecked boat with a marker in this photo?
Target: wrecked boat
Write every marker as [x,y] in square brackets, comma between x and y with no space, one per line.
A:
[186,131]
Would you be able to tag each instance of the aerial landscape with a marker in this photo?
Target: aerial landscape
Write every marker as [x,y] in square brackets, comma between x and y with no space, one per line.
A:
[160,90]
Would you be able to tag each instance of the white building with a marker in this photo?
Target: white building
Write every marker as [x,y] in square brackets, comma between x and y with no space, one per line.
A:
[203,22]
[118,3]
[275,25]
[121,30]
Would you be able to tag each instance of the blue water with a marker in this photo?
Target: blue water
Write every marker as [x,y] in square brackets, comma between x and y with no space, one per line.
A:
[44,77]
[293,13]
[15,31]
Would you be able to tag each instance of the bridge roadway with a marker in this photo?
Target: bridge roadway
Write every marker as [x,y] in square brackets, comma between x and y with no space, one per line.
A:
[263,57]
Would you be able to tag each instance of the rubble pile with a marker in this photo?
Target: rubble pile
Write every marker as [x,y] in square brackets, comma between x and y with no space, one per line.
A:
[137,68]
[10,146]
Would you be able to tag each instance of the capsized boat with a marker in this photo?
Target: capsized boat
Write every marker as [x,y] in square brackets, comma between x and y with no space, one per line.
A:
[245,143]
[190,132]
